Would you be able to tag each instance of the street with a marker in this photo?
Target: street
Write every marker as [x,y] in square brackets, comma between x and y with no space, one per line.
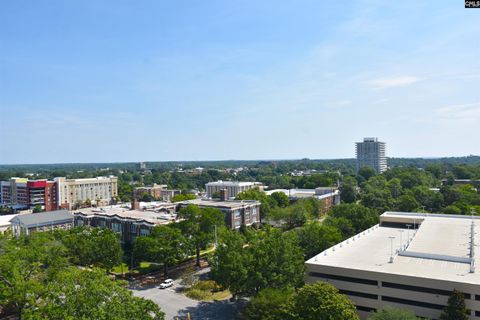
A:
[174,303]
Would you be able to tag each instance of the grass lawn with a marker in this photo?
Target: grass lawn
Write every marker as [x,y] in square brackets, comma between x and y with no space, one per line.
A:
[206,291]
[144,267]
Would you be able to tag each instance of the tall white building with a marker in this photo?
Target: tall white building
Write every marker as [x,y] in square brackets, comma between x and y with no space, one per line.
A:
[74,192]
[371,152]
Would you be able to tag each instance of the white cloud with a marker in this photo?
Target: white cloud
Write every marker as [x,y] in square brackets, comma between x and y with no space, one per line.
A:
[467,111]
[394,82]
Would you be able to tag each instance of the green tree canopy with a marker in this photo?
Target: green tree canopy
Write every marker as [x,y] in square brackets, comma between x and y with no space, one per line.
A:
[93,247]
[321,300]
[89,294]
[165,245]
[351,219]
[315,237]
[456,309]
[270,304]
[199,225]
[391,313]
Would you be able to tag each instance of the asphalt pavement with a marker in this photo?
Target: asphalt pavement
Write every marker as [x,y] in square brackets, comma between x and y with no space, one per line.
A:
[174,304]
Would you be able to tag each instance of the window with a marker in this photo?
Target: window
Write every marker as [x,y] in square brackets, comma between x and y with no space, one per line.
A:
[144,232]
[421,289]
[414,303]
[133,228]
[366,309]
[117,227]
[359,294]
[342,278]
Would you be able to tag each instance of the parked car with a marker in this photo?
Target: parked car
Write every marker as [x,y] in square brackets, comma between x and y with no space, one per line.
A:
[167,283]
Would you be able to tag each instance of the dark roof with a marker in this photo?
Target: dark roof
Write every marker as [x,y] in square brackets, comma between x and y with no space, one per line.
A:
[42,218]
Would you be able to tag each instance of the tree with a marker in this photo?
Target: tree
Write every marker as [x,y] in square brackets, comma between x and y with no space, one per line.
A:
[314,238]
[351,218]
[199,225]
[407,203]
[270,304]
[391,313]
[183,197]
[366,172]
[93,247]
[37,208]
[165,245]
[264,259]
[229,266]
[256,194]
[25,265]
[456,309]
[280,198]
[321,300]
[348,190]
[89,294]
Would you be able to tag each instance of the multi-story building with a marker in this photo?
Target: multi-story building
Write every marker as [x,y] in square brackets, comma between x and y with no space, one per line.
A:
[75,192]
[237,212]
[129,223]
[157,192]
[371,152]
[232,187]
[409,260]
[21,193]
[329,196]
[25,224]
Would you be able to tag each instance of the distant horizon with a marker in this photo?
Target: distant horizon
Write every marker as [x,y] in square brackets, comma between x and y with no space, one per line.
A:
[223,160]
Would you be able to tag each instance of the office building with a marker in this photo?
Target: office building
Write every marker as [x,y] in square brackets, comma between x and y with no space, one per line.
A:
[409,260]
[25,224]
[371,153]
[237,212]
[233,188]
[73,193]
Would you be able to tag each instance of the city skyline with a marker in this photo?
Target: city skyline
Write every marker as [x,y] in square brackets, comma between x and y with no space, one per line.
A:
[185,81]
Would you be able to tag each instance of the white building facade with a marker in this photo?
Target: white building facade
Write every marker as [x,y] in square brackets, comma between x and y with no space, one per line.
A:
[371,152]
[75,192]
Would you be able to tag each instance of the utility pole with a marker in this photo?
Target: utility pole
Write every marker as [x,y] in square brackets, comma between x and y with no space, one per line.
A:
[391,248]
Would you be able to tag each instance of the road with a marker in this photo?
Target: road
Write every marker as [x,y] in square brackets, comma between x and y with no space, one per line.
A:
[174,303]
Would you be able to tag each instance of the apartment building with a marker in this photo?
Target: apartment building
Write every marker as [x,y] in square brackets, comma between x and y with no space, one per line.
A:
[371,152]
[409,260]
[75,192]
[129,223]
[233,188]
[237,212]
[21,193]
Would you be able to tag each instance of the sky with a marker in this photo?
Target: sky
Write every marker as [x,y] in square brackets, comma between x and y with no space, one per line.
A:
[115,81]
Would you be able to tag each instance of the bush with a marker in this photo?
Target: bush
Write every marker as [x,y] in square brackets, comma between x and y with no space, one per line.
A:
[196,294]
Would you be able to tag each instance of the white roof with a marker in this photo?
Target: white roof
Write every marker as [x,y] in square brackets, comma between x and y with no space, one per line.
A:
[5,220]
[230,183]
[440,249]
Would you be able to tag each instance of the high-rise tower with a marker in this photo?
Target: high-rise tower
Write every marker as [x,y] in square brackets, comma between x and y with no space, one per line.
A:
[371,152]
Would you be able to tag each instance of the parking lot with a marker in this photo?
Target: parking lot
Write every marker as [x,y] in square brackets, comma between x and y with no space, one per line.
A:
[174,303]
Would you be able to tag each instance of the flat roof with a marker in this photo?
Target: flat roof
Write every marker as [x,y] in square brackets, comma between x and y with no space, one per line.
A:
[150,216]
[439,249]
[229,204]
[230,183]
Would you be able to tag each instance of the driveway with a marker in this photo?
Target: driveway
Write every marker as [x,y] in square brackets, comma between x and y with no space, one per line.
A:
[174,303]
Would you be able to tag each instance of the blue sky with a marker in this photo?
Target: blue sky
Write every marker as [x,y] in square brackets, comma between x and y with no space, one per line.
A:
[112,81]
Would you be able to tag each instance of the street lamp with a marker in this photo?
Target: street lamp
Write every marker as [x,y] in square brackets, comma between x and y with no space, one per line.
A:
[408,233]
[401,241]
[391,248]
